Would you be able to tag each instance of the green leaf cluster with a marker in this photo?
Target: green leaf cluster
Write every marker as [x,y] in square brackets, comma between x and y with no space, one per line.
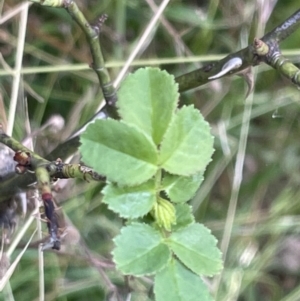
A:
[154,159]
[143,250]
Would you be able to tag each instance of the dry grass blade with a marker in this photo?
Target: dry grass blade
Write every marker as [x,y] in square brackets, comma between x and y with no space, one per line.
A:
[13,266]
[18,67]
[141,42]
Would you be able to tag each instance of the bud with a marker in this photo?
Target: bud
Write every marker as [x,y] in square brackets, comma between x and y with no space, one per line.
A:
[23,158]
[164,213]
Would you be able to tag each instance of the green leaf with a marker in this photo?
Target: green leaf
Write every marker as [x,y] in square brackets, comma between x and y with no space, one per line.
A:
[130,202]
[140,250]
[196,247]
[184,216]
[188,145]
[181,189]
[118,151]
[148,99]
[177,283]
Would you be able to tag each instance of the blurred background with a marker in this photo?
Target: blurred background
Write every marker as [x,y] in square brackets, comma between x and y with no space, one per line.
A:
[250,198]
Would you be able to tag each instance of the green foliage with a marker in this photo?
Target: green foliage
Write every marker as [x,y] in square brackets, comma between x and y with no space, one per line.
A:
[188,144]
[151,107]
[108,141]
[181,189]
[154,160]
[195,247]
[184,216]
[130,202]
[140,250]
[176,283]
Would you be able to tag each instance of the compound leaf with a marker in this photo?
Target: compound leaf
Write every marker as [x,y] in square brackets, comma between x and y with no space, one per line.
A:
[188,145]
[184,216]
[147,99]
[177,283]
[130,202]
[119,151]
[140,250]
[196,247]
[181,189]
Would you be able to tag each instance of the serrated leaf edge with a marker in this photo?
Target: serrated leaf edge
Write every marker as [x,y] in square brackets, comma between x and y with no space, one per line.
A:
[215,241]
[160,164]
[176,88]
[142,274]
[117,212]
[218,262]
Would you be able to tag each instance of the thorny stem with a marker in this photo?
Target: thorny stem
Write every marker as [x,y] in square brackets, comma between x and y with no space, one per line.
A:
[92,35]
[248,55]
[60,170]
[17,146]
[274,58]
[56,169]
[285,29]
[44,169]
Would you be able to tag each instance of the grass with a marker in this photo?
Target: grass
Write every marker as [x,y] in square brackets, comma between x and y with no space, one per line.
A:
[250,197]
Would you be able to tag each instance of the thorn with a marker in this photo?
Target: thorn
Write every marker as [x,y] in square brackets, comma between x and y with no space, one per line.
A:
[247,74]
[99,23]
[231,65]
[58,161]
[102,19]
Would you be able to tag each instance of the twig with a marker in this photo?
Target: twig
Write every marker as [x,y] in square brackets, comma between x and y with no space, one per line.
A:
[43,169]
[43,180]
[28,162]
[249,57]
[92,34]
[285,29]
[19,147]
